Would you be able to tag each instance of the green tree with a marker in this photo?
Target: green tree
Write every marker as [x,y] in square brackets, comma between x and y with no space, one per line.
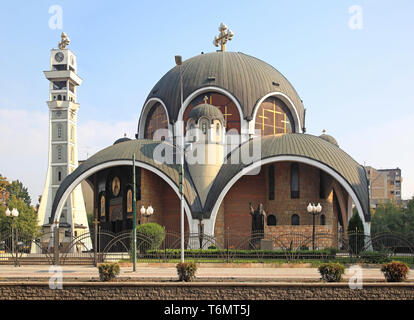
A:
[26,223]
[17,189]
[356,233]
[390,217]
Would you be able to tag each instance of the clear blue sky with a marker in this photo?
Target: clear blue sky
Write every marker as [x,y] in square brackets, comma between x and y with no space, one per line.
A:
[356,84]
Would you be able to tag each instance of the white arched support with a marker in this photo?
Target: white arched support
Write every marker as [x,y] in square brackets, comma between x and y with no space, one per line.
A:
[244,125]
[115,163]
[289,103]
[144,113]
[210,223]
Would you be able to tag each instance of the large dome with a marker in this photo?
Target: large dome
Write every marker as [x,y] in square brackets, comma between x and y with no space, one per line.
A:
[247,78]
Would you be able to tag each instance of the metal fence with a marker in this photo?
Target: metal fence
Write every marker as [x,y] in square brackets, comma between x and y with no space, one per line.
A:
[230,246]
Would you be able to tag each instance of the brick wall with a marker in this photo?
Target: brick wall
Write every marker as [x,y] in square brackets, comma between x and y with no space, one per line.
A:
[158,193]
[206,291]
[234,213]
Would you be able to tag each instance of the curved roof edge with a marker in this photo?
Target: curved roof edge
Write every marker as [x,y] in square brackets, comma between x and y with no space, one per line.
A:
[302,146]
[144,151]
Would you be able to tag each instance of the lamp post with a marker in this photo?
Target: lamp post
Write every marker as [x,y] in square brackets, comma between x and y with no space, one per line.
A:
[179,62]
[14,214]
[314,211]
[148,212]
[134,216]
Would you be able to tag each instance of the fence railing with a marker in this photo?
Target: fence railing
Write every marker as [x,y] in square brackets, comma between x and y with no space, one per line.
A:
[229,247]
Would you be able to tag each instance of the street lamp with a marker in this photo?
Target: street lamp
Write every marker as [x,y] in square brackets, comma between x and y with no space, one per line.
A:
[14,214]
[147,212]
[179,62]
[314,211]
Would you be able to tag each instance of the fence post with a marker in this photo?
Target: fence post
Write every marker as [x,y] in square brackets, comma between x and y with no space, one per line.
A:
[56,244]
[95,245]
[227,244]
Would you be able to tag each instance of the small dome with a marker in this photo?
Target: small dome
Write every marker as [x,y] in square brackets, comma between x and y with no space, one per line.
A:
[328,138]
[123,139]
[206,110]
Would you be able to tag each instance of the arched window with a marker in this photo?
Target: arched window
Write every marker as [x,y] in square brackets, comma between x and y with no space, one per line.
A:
[59,131]
[59,153]
[59,97]
[227,107]
[273,117]
[295,220]
[218,130]
[156,119]
[204,127]
[294,180]
[271,220]
[60,175]
[322,220]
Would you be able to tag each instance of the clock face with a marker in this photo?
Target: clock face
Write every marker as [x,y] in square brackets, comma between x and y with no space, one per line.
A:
[116,186]
[59,56]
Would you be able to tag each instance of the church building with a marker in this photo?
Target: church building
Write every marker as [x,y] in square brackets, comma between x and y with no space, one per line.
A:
[245,142]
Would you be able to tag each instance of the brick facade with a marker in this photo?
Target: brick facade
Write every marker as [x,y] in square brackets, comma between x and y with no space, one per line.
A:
[233,216]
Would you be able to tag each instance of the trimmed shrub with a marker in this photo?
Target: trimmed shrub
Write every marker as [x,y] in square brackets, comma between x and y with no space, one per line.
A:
[331,272]
[376,257]
[395,271]
[108,271]
[186,271]
[149,236]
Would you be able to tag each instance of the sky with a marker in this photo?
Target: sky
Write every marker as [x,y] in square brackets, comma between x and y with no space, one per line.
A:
[354,70]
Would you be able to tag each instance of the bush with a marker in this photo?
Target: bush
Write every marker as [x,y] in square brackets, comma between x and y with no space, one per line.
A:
[149,236]
[186,271]
[376,257]
[331,272]
[108,271]
[395,271]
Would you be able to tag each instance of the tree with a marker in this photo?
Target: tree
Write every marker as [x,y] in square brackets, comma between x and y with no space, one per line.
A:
[4,194]
[17,189]
[390,217]
[356,234]
[26,223]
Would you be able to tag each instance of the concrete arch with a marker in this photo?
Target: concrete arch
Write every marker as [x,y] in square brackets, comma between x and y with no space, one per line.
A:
[144,113]
[56,215]
[281,158]
[289,103]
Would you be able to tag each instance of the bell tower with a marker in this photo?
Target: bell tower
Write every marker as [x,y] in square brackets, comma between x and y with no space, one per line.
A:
[63,151]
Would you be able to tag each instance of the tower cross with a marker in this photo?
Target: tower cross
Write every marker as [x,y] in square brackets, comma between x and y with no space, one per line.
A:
[223,37]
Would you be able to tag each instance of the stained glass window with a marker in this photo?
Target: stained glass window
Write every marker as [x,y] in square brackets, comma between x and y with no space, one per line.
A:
[274,118]
[156,119]
[227,107]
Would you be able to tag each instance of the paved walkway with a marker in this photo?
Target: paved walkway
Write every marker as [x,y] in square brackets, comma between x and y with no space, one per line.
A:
[85,273]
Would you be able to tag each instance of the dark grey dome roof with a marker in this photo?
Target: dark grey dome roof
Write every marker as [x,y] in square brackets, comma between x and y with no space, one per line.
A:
[329,138]
[123,139]
[206,110]
[247,78]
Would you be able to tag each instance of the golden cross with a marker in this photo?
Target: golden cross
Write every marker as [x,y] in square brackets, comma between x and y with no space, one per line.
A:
[274,116]
[223,37]
[263,118]
[225,115]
